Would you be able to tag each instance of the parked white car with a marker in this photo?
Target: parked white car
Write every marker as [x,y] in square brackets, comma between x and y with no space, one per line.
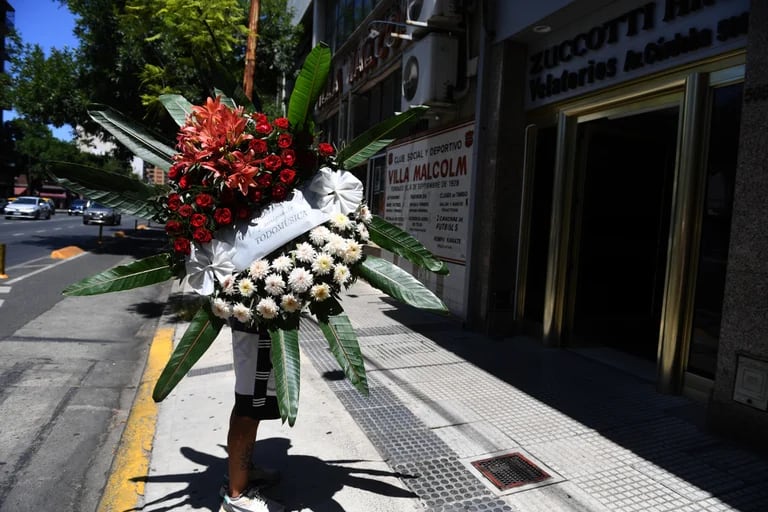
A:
[27,207]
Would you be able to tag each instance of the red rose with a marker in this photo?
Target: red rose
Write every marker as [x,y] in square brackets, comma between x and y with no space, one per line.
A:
[284,140]
[264,181]
[258,146]
[174,202]
[263,128]
[260,118]
[202,235]
[222,216]
[186,210]
[181,245]
[173,227]
[279,191]
[255,195]
[287,176]
[198,220]
[184,182]
[175,171]
[282,123]
[325,149]
[204,200]
[273,162]
[289,157]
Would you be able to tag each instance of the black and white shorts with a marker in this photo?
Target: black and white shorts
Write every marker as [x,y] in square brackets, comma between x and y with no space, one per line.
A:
[255,395]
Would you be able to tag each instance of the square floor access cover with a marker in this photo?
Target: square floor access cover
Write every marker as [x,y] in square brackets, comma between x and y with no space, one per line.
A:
[510,470]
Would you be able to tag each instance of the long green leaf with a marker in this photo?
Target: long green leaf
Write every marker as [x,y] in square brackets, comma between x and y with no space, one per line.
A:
[309,84]
[177,106]
[399,284]
[144,272]
[198,337]
[342,341]
[392,238]
[287,365]
[133,136]
[376,138]
[225,99]
[137,207]
[99,179]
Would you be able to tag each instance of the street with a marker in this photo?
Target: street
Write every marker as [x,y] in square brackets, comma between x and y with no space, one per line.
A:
[69,366]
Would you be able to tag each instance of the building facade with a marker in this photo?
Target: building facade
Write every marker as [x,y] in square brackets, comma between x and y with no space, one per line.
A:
[591,170]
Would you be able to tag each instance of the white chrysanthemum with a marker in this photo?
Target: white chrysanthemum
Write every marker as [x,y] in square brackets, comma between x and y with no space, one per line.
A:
[282,263]
[267,308]
[290,303]
[322,264]
[362,231]
[300,280]
[320,292]
[246,287]
[241,312]
[259,269]
[319,235]
[340,221]
[353,253]
[364,214]
[228,285]
[341,274]
[221,308]
[305,252]
[274,284]
[337,244]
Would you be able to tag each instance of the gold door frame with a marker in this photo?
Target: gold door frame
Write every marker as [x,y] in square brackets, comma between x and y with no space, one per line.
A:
[689,88]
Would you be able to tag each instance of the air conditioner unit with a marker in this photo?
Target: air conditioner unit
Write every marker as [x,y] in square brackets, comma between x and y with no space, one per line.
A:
[433,12]
[429,71]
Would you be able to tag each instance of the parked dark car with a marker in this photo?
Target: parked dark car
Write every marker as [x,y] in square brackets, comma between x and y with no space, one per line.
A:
[95,213]
[3,202]
[76,207]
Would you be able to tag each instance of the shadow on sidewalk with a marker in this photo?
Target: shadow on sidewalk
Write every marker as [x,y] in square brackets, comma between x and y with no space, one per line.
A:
[307,482]
[667,431]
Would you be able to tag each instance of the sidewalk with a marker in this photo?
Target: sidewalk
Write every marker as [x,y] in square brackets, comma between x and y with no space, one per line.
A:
[441,397]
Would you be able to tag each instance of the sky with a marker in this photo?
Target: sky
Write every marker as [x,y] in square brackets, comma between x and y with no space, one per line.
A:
[49,24]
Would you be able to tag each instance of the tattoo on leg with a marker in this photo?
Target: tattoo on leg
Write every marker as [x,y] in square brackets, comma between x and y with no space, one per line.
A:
[245,457]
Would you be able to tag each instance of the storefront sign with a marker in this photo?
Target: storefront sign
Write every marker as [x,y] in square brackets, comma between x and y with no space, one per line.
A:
[630,40]
[427,190]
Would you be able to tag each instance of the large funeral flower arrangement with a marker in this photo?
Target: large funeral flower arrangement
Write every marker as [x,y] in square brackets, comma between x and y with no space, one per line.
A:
[263,221]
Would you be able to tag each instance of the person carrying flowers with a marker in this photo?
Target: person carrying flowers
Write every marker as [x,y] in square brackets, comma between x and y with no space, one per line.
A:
[267,226]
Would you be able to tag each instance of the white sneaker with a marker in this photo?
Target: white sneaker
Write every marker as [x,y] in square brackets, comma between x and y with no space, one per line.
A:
[250,501]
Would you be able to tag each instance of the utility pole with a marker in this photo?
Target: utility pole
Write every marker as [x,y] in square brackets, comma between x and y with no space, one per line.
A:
[250,49]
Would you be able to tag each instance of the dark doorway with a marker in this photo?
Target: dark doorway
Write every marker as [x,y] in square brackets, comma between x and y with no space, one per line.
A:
[625,170]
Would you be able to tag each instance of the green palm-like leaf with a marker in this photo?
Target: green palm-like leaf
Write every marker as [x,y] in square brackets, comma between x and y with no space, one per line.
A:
[287,365]
[198,337]
[399,284]
[133,136]
[225,99]
[376,138]
[144,272]
[309,84]
[177,106]
[392,238]
[137,207]
[344,346]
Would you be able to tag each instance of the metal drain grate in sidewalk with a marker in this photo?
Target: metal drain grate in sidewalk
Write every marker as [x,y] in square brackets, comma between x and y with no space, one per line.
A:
[510,470]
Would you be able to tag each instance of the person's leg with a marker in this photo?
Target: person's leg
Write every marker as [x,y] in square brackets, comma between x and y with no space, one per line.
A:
[240,440]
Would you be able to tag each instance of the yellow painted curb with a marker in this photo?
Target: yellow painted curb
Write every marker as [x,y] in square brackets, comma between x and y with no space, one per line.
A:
[131,464]
[142,226]
[66,252]
[119,234]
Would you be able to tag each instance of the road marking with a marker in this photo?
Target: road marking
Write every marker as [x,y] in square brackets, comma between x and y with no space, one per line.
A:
[131,462]
[41,231]
[5,289]
[57,229]
[17,234]
[16,280]
[1,302]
